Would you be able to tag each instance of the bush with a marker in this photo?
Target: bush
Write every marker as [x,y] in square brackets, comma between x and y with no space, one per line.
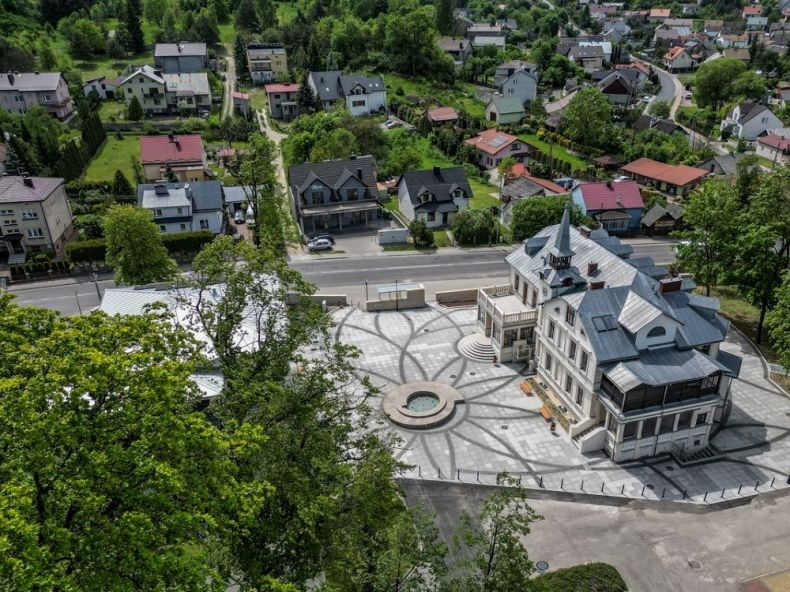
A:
[93,251]
[87,251]
[421,235]
[474,227]
[600,577]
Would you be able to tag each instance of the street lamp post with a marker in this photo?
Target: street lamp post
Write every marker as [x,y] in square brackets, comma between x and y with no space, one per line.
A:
[397,296]
[96,284]
[77,298]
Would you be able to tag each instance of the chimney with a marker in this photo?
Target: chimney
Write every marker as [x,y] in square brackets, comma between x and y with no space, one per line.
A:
[353,157]
[10,79]
[36,72]
[28,182]
[460,45]
[180,47]
[171,137]
[670,285]
[437,171]
[592,268]
[584,231]
[596,285]
[609,183]
[359,174]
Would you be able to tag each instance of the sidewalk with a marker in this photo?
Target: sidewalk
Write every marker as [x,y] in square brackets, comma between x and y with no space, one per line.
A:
[306,256]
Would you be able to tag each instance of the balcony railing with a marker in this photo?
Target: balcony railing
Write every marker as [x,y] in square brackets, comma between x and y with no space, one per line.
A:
[486,297]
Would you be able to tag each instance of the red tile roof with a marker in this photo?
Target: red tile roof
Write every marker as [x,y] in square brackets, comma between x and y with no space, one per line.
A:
[673,53]
[660,12]
[752,11]
[283,88]
[610,196]
[634,66]
[240,95]
[443,114]
[519,170]
[491,141]
[774,141]
[678,175]
[155,149]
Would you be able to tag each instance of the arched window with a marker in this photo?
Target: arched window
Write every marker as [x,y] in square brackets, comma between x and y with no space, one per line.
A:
[657,332]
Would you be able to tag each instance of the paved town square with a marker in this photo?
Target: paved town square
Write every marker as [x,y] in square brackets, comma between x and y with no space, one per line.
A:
[499,428]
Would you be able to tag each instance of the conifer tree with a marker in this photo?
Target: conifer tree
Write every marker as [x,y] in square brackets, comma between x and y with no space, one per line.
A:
[133,25]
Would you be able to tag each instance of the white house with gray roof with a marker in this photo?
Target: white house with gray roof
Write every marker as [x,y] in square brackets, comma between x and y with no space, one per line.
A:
[20,91]
[181,58]
[160,93]
[184,207]
[629,354]
[434,195]
[749,120]
[364,95]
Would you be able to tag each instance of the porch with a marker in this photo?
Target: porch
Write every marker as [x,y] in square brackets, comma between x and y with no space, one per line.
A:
[337,216]
[503,316]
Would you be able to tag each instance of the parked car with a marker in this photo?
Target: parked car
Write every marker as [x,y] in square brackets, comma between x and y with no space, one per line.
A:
[392,123]
[321,244]
[565,182]
[325,235]
[238,217]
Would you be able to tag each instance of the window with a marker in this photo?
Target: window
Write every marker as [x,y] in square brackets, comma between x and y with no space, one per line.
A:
[47,97]
[18,98]
[572,351]
[604,323]
[551,329]
[6,212]
[141,80]
[157,101]
[358,103]
[583,362]
[162,228]
[568,383]
[649,427]
[179,211]
[629,430]
[657,332]
[431,216]
[183,226]
[158,212]
[204,224]
[317,197]
[518,281]
[547,362]
[702,419]
[710,383]
[35,233]
[509,337]
[684,420]
[129,90]
[9,222]
[352,194]
[533,296]
[579,395]
[667,424]
[570,316]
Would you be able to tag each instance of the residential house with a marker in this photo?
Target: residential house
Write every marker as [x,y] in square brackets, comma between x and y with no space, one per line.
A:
[668,38]
[485,30]
[184,207]
[182,156]
[741,55]
[439,116]
[505,110]
[20,91]
[662,220]
[734,40]
[506,69]
[267,62]
[589,58]
[749,120]
[674,179]
[678,59]
[160,93]
[616,206]
[188,92]
[104,87]
[181,58]
[481,41]
[713,28]
[458,49]
[508,25]
[618,89]
[241,103]
[601,12]
[783,96]
[434,195]
[364,95]
[690,9]
[723,165]
[236,197]
[757,23]
[282,100]
[494,146]
[334,193]
[616,30]
[774,148]
[749,11]
[606,46]
[521,85]
[659,15]
[519,184]
[631,354]
[641,73]
[648,122]
[34,216]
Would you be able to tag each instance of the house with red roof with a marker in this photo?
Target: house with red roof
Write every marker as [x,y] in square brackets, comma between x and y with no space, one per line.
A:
[657,15]
[774,147]
[282,100]
[493,146]
[677,59]
[616,205]
[751,11]
[674,179]
[183,155]
[442,116]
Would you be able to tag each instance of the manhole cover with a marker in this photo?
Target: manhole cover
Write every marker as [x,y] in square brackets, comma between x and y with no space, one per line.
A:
[472,373]
[504,427]
[669,468]
[452,375]
[694,564]
[426,330]
[650,486]
[542,566]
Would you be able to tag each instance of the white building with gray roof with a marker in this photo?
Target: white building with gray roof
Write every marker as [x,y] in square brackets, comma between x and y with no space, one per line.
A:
[20,91]
[364,95]
[629,355]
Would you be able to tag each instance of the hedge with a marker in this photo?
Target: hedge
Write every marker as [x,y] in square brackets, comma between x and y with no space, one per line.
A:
[590,577]
[90,251]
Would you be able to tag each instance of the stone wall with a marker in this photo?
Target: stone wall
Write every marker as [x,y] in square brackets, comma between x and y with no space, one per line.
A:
[457,296]
[330,299]
[414,299]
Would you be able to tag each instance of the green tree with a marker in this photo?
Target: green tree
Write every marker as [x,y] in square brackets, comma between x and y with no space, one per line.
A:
[205,28]
[474,227]
[339,143]
[134,247]
[707,251]
[240,59]
[748,176]
[111,479]
[306,99]
[85,39]
[47,60]
[115,50]
[588,118]
[415,31]
[266,12]
[750,85]
[445,19]
[134,110]
[495,559]
[246,17]
[220,9]
[713,82]
[255,170]
[778,323]
[421,235]
[121,185]
[529,216]
[155,10]
[134,26]
[15,58]
[660,109]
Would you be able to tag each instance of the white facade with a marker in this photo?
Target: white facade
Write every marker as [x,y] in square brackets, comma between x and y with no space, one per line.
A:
[19,92]
[747,126]
[361,102]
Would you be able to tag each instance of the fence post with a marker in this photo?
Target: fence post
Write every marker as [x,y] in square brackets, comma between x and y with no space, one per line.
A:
[705,498]
[562,482]
[419,471]
[663,492]
[739,488]
[602,484]
[643,491]
[622,489]
[478,476]
[541,482]
[772,481]
[722,493]
[458,474]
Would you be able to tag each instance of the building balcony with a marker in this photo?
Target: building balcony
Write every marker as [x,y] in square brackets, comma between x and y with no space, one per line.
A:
[505,307]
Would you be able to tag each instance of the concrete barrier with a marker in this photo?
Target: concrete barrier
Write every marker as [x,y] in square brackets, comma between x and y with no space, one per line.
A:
[330,299]
[415,298]
[457,296]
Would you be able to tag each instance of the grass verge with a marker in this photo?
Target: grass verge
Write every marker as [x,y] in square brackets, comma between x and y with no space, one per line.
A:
[114,155]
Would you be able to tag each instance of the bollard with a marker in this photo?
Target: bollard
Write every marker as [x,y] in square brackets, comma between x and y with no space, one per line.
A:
[705,498]
[643,491]
[756,485]
[582,484]
[622,489]
[562,482]
[602,484]
[663,492]
[772,481]
[684,494]
[722,493]
[739,488]
[419,471]
[458,474]
[541,481]
[478,476]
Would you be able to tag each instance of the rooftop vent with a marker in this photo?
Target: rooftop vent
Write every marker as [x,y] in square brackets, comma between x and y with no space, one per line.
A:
[10,79]
[359,174]
[584,231]
[596,285]
[592,268]
[27,181]
[437,171]
[160,189]
[670,285]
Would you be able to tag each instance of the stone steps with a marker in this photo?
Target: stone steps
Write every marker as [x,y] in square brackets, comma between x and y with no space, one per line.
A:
[478,348]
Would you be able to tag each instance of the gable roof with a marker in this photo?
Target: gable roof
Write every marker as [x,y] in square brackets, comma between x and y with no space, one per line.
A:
[492,141]
[333,173]
[183,84]
[369,84]
[674,53]
[610,196]
[452,44]
[13,189]
[748,110]
[156,149]
[775,141]
[147,71]
[616,83]
[30,81]
[660,13]
[333,85]
[678,175]
[648,122]
[283,88]
[180,49]
[443,114]
[586,51]
[437,181]
[658,211]
[728,163]
[519,170]
[506,105]
[204,195]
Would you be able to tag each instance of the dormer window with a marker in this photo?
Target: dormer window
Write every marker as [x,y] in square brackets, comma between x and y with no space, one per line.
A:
[559,262]
[657,332]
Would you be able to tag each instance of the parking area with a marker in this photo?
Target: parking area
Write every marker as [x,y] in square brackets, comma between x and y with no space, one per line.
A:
[360,241]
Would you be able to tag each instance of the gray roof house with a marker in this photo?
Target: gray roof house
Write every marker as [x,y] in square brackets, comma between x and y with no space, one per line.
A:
[458,49]
[434,195]
[364,95]
[20,91]
[184,207]
[750,120]
[505,110]
[333,194]
[631,353]
[521,84]
[181,58]
[723,164]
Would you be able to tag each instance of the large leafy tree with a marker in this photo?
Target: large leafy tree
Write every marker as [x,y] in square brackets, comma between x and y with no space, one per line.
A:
[588,118]
[474,227]
[109,479]
[531,215]
[134,247]
[778,323]
[714,81]
[240,59]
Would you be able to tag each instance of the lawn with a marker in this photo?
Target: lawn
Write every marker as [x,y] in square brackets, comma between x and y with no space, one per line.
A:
[286,11]
[482,195]
[257,97]
[109,109]
[460,96]
[114,155]
[557,151]
[441,239]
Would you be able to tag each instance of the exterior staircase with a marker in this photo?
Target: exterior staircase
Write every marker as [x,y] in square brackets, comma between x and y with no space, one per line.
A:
[685,459]
[16,258]
[477,347]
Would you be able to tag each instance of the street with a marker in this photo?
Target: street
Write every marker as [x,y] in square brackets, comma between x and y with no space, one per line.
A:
[445,269]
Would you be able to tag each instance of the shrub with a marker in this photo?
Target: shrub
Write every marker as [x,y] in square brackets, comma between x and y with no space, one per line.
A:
[421,235]
[93,250]
[474,227]
[600,577]
[87,251]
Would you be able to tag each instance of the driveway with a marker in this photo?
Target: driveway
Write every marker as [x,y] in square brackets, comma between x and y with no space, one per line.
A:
[351,243]
[230,83]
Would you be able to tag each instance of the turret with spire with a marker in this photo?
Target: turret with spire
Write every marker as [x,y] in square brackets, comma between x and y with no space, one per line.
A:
[560,252]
